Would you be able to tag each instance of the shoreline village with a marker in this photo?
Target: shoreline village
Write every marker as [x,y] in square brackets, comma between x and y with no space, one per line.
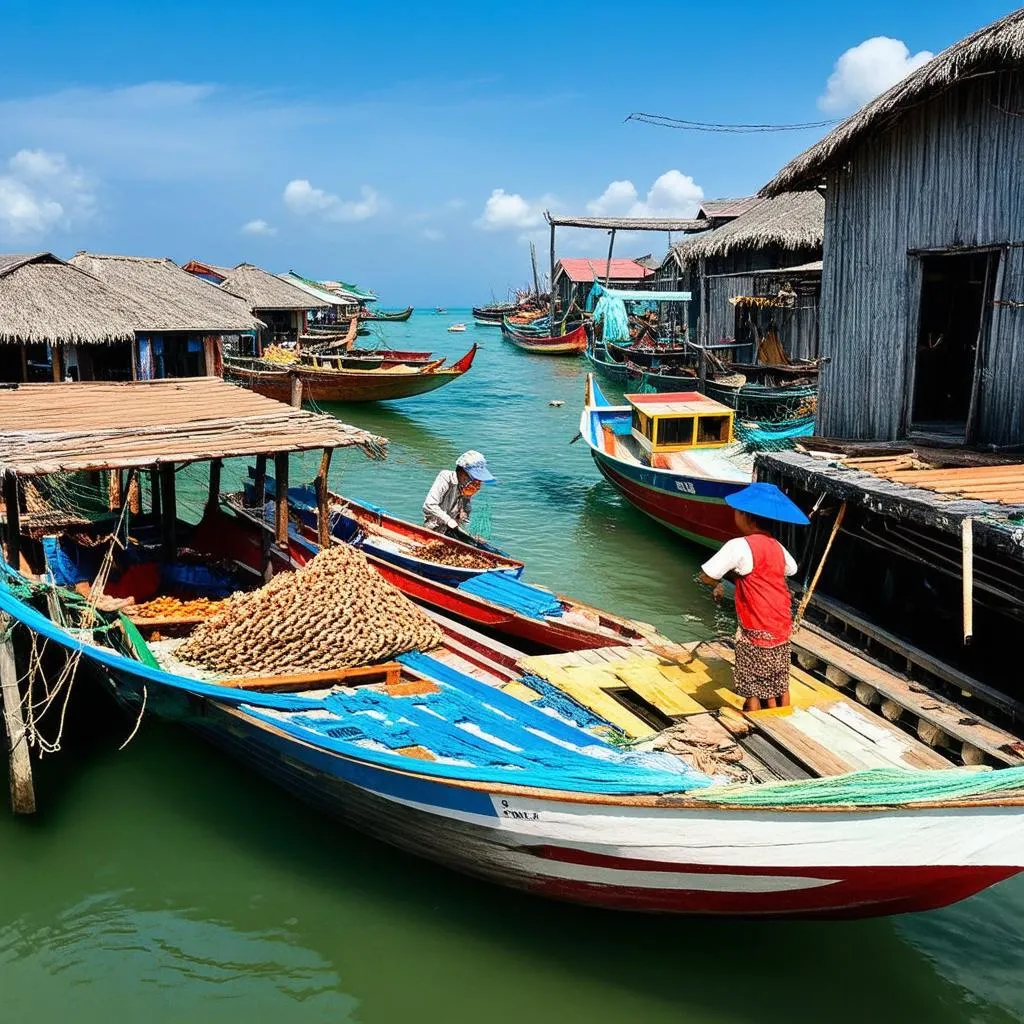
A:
[813,393]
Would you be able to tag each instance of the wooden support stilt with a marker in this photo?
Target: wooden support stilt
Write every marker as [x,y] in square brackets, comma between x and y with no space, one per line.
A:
[296,393]
[13,511]
[23,796]
[281,499]
[57,362]
[213,495]
[24,363]
[259,487]
[169,519]
[322,490]
[551,282]
[135,358]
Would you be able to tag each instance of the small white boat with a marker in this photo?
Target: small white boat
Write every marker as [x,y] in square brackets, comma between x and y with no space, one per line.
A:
[456,327]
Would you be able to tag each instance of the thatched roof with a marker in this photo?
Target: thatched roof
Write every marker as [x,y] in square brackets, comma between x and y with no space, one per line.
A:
[626,223]
[263,290]
[165,298]
[725,209]
[997,47]
[793,220]
[43,299]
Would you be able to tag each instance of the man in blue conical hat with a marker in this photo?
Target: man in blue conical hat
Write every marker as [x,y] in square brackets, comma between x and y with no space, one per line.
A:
[447,506]
[758,565]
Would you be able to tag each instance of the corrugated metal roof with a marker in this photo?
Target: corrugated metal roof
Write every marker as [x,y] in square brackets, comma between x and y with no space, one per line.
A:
[582,270]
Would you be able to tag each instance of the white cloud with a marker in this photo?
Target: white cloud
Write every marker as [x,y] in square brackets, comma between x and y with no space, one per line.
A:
[867,70]
[673,194]
[509,211]
[432,234]
[42,191]
[303,199]
[258,227]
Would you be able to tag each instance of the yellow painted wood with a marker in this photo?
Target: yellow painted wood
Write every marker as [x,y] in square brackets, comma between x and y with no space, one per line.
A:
[645,680]
[520,691]
[585,686]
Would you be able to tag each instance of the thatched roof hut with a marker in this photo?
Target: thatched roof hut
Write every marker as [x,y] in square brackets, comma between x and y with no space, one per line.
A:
[45,300]
[262,290]
[791,222]
[988,51]
[167,299]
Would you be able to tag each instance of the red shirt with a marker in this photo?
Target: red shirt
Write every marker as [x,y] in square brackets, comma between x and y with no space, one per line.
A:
[763,601]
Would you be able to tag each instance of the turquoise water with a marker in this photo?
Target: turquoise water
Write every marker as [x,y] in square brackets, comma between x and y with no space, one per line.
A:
[166,884]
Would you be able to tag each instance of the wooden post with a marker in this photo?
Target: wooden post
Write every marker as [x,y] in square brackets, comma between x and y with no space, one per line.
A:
[551,282]
[57,362]
[281,499]
[24,362]
[967,557]
[259,488]
[533,262]
[169,500]
[154,494]
[608,268]
[23,796]
[322,490]
[213,495]
[296,393]
[13,512]
[135,358]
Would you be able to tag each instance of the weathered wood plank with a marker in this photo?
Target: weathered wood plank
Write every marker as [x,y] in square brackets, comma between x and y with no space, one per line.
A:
[23,796]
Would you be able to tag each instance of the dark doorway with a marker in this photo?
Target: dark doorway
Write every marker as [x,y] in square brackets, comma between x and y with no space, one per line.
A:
[956,294]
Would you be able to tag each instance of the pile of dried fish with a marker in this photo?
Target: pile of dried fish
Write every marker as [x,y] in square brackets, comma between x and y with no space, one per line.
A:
[174,608]
[448,554]
[335,612]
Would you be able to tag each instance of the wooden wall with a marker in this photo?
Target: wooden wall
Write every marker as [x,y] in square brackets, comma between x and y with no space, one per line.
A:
[948,175]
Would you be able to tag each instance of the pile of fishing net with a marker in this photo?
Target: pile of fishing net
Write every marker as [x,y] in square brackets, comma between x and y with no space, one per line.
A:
[335,612]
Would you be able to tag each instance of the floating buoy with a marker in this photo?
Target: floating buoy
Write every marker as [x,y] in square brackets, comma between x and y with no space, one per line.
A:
[556,403]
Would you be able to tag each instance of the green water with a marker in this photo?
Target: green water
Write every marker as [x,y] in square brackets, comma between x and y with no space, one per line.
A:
[165,883]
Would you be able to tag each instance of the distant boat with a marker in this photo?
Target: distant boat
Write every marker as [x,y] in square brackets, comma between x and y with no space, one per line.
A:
[440,309]
[399,316]
[456,327]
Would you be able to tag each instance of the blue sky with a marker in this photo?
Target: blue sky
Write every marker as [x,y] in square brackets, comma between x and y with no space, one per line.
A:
[411,147]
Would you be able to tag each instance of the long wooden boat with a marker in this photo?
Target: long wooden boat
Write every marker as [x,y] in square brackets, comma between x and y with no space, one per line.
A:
[647,355]
[397,356]
[396,316]
[531,800]
[572,343]
[329,385]
[685,490]
[492,316]
[598,356]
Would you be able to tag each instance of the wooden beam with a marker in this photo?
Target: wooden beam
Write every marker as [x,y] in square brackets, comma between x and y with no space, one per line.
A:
[322,492]
[169,522]
[23,797]
[13,511]
[24,362]
[281,499]
[213,494]
[551,282]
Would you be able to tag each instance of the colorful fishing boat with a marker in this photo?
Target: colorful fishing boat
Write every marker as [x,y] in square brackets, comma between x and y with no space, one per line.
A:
[458,749]
[599,357]
[672,456]
[491,316]
[395,316]
[572,343]
[325,384]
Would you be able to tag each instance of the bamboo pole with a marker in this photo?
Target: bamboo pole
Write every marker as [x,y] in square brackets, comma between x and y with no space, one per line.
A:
[967,553]
[608,268]
[322,491]
[23,797]
[281,499]
[13,511]
[533,262]
[551,283]
[809,593]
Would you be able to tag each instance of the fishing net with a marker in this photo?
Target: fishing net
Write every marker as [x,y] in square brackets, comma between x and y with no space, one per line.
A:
[875,786]
[480,517]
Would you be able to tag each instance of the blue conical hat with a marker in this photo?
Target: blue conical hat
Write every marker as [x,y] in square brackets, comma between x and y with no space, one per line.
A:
[768,502]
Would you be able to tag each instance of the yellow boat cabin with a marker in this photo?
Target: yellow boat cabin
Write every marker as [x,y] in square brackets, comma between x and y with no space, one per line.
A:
[679,421]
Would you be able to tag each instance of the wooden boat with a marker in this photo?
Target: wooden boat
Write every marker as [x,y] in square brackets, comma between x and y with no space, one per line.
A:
[598,357]
[320,384]
[374,531]
[396,356]
[682,485]
[351,360]
[456,328]
[491,316]
[532,800]
[397,316]
[470,754]
[572,343]
[646,355]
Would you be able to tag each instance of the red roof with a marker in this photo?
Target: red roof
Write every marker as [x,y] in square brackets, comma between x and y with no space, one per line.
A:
[583,269]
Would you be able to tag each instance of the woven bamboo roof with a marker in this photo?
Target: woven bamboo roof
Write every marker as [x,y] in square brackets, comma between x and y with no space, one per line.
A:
[54,428]
[45,300]
[725,209]
[165,297]
[262,290]
[995,48]
[793,220]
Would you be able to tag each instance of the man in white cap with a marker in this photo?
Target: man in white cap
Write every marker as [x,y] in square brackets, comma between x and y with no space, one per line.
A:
[447,506]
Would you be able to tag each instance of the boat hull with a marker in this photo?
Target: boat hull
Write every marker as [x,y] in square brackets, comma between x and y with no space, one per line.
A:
[571,344]
[644,857]
[379,316]
[691,507]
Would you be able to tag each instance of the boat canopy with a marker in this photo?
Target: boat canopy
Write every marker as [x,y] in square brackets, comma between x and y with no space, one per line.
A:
[637,294]
[97,425]
[677,421]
